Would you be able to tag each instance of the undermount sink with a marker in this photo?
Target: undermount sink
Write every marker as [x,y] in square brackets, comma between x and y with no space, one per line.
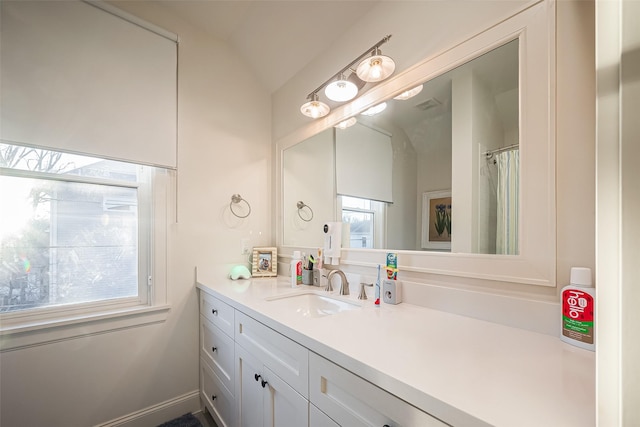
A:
[313,303]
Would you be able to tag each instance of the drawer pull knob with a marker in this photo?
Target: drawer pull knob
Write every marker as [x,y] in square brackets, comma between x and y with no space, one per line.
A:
[213,349]
[257,377]
[213,397]
[264,383]
[214,311]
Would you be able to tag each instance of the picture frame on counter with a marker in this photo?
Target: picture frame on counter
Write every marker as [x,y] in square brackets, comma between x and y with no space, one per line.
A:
[264,262]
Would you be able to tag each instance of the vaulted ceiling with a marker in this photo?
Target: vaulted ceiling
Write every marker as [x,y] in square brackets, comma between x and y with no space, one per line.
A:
[275,38]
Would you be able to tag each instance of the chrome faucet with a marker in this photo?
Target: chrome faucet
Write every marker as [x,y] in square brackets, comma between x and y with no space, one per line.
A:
[344,283]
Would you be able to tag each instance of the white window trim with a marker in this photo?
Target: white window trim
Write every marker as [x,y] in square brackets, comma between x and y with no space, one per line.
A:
[23,330]
[379,212]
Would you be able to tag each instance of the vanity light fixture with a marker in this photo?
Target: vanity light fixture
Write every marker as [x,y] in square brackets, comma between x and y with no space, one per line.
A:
[346,123]
[376,109]
[341,90]
[409,93]
[315,108]
[375,68]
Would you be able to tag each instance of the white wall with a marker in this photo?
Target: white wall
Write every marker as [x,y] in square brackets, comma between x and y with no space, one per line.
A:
[95,379]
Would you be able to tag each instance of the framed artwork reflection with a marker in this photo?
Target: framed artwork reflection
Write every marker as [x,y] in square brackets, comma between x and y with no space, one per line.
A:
[436,220]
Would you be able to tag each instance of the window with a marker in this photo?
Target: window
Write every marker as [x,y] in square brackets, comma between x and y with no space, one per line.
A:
[365,219]
[75,233]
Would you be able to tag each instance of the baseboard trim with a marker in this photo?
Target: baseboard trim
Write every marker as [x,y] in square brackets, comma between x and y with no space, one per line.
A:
[159,413]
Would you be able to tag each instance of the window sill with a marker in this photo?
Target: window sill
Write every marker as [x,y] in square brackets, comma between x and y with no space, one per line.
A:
[30,334]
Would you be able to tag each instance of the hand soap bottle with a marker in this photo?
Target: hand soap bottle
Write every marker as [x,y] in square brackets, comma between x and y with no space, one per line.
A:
[296,270]
[578,308]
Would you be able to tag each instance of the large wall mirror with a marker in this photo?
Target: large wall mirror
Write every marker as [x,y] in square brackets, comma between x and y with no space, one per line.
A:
[394,168]
[458,178]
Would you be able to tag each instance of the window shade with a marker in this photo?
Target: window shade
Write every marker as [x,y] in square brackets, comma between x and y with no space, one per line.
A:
[77,78]
[364,160]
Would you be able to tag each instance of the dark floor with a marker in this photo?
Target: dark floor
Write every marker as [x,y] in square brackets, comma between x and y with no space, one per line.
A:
[205,418]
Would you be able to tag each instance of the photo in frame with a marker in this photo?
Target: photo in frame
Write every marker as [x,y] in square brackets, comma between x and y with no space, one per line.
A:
[264,262]
[436,220]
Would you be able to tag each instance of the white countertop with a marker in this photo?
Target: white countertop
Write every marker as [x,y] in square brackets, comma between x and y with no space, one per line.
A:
[461,370]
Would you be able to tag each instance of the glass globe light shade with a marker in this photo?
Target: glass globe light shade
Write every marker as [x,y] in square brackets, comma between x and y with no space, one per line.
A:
[346,123]
[341,90]
[376,109]
[315,108]
[409,93]
[375,68]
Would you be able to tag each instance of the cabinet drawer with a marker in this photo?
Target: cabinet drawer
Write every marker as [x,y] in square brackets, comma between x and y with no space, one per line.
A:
[317,418]
[286,358]
[216,397]
[217,349]
[218,312]
[351,401]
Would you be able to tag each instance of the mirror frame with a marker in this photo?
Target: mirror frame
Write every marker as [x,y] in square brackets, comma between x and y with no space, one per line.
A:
[536,262]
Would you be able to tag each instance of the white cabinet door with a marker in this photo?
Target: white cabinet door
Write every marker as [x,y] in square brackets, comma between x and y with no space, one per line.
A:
[249,390]
[283,406]
[263,398]
[317,418]
[353,402]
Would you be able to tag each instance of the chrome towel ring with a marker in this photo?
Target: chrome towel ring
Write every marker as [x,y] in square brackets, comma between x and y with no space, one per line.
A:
[301,205]
[235,200]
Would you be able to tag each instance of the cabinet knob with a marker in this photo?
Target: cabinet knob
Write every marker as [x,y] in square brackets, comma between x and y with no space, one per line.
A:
[214,311]
[264,383]
[213,397]
[257,377]
[213,349]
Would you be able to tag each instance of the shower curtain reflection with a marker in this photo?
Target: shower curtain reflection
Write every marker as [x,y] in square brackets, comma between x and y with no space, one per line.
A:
[508,188]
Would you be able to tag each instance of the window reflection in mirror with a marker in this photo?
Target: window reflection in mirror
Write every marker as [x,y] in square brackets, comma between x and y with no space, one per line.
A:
[458,134]
[365,219]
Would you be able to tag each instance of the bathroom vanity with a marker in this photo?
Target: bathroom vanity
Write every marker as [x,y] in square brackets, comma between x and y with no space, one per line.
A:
[273,355]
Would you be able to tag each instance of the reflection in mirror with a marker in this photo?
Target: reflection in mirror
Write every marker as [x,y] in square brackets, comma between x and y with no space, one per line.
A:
[308,177]
[435,171]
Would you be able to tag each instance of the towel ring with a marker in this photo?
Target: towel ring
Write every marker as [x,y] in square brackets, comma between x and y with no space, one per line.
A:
[301,205]
[235,199]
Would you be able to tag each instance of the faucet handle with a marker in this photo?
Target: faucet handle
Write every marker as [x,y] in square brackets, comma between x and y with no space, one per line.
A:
[363,293]
[329,287]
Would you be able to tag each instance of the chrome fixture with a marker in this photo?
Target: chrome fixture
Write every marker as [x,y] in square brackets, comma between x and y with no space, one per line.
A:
[344,283]
[314,108]
[363,294]
[301,205]
[236,199]
[341,90]
[374,68]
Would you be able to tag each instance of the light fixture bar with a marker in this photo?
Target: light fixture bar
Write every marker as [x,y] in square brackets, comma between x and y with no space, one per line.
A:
[372,49]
